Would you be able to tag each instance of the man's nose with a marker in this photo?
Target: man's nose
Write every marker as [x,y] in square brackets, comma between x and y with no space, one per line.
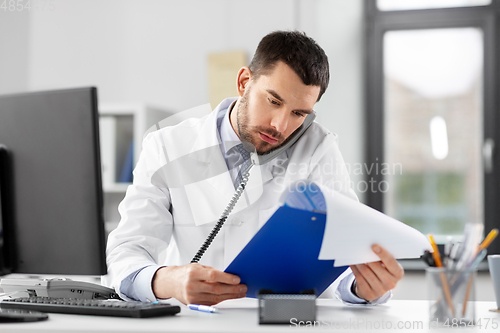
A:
[279,121]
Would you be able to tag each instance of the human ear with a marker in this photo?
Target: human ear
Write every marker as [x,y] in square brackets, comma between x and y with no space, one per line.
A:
[242,79]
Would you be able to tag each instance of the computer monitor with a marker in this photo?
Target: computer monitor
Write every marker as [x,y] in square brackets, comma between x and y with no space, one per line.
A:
[51,192]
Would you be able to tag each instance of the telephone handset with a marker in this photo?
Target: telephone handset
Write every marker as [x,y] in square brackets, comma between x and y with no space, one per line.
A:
[256,159]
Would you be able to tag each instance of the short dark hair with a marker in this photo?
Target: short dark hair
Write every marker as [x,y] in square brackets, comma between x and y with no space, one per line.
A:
[307,59]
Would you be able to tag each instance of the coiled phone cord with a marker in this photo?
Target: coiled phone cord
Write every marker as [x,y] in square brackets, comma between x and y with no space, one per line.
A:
[225,214]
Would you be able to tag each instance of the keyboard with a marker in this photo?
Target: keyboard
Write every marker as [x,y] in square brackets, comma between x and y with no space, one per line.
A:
[90,307]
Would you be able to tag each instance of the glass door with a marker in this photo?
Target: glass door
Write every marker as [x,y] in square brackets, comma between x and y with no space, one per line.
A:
[433,121]
[432,115]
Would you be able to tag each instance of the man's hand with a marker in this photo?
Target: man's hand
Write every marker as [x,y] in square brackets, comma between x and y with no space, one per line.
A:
[195,283]
[374,279]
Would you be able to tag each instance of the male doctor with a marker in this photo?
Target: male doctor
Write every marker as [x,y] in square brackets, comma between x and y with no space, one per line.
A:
[170,208]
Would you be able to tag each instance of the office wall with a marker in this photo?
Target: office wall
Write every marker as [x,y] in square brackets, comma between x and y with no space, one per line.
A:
[149,51]
[156,51]
[340,31]
[14,45]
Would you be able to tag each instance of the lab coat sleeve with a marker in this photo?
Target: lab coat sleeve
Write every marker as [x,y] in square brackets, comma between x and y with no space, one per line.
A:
[345,294]
[145,228]
[138,285]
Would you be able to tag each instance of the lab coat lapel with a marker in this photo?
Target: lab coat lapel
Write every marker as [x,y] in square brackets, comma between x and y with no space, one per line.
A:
[209,196]
[216,167]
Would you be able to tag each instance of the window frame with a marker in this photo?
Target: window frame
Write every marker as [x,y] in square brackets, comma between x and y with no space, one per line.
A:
[485,17]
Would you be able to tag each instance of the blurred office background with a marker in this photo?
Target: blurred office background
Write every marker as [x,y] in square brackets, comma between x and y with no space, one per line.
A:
[156,52]
[411,96]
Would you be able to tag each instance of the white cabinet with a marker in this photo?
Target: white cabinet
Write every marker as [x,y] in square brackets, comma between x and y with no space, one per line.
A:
[122,128]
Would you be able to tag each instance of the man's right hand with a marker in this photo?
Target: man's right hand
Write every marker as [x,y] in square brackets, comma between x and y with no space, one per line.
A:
[198,284]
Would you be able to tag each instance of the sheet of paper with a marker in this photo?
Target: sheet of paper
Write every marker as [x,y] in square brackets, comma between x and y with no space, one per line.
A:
[352,228]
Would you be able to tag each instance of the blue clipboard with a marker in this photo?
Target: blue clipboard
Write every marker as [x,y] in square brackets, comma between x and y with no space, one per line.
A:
[283,255]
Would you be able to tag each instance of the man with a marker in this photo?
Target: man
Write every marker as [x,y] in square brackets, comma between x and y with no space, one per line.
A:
[287,76]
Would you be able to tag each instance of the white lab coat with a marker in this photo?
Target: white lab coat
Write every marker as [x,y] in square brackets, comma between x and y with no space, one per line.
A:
[166,226]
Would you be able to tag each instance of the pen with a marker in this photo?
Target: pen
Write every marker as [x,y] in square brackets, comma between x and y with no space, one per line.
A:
[444,282]
[203,308]
[473,266]
[487,241]
[477,260]
[454,254]
[435,253]
[472,237]
[447,251]
[481,253]
[480,256]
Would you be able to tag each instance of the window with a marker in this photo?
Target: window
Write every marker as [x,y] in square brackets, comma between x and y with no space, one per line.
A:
[431,95]
[433,127]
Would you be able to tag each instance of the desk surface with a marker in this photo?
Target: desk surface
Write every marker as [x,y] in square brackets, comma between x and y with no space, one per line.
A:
[241,316]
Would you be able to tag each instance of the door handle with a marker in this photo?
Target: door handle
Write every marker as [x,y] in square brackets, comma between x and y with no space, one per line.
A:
[488,150]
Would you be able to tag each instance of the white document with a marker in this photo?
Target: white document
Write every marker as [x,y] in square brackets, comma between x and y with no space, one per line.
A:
[352,228]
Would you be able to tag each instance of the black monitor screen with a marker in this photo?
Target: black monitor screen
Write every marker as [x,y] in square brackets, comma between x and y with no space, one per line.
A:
[57,214]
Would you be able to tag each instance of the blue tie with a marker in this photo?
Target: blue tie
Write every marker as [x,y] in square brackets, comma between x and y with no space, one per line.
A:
[244,166]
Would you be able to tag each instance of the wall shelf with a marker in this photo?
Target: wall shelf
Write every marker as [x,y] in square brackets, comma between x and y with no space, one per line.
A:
[122,128]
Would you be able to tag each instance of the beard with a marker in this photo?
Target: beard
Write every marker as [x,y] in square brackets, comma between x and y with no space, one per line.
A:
[250,134]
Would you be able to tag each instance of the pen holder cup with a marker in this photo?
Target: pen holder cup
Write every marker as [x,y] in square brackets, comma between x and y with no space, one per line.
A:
[451,296]
[494,266]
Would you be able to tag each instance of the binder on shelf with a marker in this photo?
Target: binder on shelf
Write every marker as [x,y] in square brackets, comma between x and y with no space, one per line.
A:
[128,165]
[107,136]
[283,255]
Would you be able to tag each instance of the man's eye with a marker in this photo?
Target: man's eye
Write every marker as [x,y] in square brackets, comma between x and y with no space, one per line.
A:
[272,101]
[297,113]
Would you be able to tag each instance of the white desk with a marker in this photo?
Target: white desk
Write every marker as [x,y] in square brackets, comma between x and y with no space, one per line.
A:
[241,316]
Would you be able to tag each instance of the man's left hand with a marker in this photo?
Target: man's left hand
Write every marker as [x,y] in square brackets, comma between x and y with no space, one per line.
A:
[374,279]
